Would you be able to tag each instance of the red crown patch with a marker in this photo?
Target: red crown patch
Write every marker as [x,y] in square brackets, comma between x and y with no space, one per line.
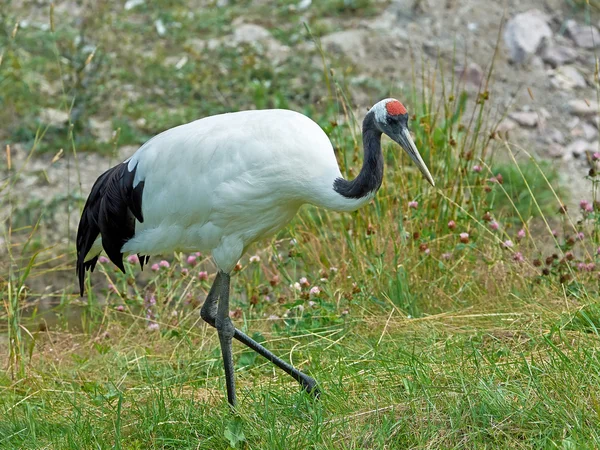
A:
[395,108]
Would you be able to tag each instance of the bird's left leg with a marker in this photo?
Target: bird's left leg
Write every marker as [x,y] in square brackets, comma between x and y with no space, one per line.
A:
[215,312]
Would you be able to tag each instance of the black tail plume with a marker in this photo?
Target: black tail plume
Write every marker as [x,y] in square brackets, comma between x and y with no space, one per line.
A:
[110,211]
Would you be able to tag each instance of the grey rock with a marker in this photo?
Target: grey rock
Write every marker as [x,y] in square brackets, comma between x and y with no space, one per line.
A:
[556,151]
[54,117]
[584,36]
[506,125]
[525,33]
[579,147]
[348,42]
[255,35]
[303,5]
[554,136]
[528,119]
[557,55]
[472,73]
[160,27]
[102,129]
[585,131]
[583,108]
[130,4]
[567,78]
[249,32]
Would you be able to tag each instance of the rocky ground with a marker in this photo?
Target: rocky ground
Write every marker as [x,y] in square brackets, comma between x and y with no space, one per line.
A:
[543,85]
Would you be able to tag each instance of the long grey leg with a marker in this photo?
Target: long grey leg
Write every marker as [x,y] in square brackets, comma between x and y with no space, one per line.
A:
[215,311]
[215,315]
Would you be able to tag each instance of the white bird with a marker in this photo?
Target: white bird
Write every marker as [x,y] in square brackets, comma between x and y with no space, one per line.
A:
[219,184]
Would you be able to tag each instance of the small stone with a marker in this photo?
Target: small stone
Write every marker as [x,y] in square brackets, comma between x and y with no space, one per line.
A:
[590,131]
[557,55]
[566,78]
[348,42]
[583,130]
[584,36]
[130,4]
[248,33]
[579,147]
[583,107]
[160,27]
[102,129]
[556,151]
[472,73]
[525,33]
[528,119]
[304,4]
[554,135]
[505,126]
[54,117]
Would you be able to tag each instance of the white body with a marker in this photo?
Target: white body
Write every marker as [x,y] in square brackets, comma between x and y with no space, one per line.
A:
[220,183]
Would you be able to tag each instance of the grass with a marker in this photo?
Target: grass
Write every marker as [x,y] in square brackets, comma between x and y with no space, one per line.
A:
[419,335]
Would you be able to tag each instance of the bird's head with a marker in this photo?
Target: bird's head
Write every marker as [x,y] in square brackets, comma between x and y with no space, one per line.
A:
[391,118]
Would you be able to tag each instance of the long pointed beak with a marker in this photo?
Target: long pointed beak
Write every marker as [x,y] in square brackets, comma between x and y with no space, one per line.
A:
[406,142]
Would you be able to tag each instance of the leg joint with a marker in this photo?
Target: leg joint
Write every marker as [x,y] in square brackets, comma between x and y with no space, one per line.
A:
[208,312]
[225,327]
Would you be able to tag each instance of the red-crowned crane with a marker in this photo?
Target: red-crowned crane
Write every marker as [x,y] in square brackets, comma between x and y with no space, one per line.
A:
[219,184]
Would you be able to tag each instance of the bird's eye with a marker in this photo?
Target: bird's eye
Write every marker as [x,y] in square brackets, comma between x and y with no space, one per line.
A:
[393,120]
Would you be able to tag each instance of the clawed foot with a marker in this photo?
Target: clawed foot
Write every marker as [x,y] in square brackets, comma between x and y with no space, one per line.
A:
[310,385]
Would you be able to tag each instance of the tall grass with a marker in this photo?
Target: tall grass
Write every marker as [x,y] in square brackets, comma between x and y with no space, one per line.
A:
[460,316]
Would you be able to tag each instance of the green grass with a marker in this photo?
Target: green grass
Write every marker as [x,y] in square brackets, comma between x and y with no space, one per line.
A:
[419,338]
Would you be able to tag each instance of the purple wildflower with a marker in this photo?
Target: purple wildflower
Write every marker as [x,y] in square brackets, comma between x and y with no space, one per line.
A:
[103,259]
[413,204]
[133,259]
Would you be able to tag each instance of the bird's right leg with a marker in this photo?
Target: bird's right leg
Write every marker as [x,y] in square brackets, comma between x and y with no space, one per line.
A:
[209,314]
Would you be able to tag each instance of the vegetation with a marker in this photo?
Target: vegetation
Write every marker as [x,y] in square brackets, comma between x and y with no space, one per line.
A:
[461,316]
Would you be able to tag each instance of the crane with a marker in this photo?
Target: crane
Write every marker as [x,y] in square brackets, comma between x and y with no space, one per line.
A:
[219,184]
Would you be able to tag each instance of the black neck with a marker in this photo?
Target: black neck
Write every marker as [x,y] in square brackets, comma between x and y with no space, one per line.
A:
[371,174]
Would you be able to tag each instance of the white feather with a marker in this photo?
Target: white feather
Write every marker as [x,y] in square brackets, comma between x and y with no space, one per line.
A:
[220,183]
